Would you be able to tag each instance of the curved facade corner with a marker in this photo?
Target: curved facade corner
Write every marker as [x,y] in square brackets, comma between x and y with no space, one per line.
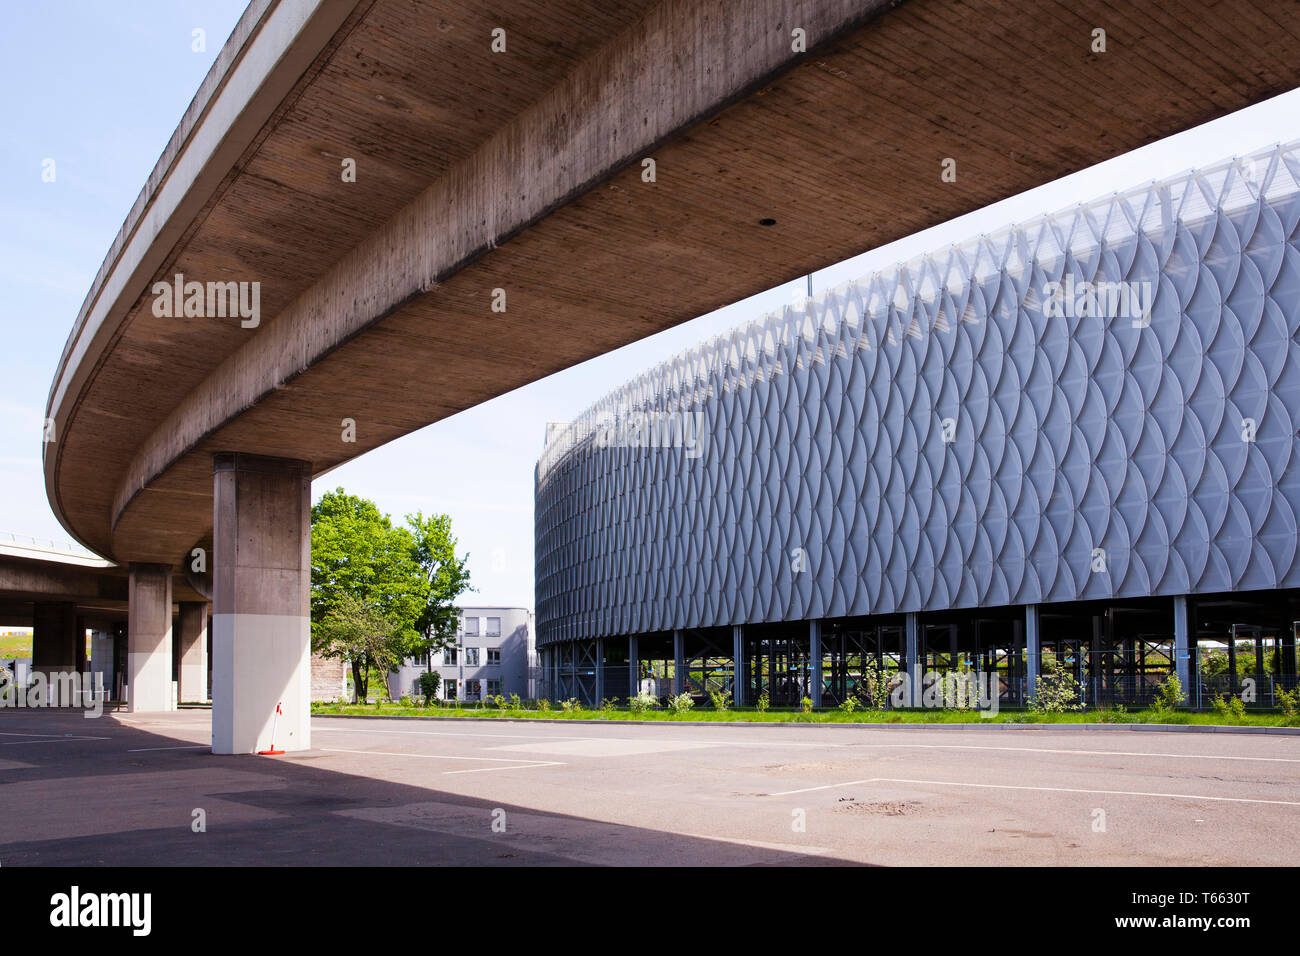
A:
[1101,404]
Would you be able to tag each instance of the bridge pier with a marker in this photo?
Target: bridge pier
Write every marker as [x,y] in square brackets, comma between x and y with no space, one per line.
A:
[194,651]
[261,637]
[149,638]
[54,643]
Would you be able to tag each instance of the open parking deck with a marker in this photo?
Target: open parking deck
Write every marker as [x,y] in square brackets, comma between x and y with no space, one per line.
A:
[127,789]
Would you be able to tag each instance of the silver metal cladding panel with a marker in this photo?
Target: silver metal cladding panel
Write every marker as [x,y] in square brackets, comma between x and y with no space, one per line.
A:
[1103,403]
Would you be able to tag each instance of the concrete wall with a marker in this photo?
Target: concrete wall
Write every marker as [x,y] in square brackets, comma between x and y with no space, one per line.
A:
[328,678]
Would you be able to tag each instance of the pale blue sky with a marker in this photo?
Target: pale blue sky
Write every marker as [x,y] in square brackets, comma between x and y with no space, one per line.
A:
[100,87]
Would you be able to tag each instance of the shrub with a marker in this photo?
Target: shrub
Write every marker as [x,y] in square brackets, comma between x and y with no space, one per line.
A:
[406,701]
[515,702]
[1116,715]
[848,705]
[806,705]
[543,704]
[877,680]
[1169,696]
[721,699]
[429,684]
[764,702]
[681,703]
[1288,703]
[641,703]
[609,705]
[571,706]
[1231,707]
[1056,691]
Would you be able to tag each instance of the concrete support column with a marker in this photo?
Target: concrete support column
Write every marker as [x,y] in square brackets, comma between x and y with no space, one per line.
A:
[149,638]
[261,643]
[1182,652]
[738,681]
[913,634]
[679,662]
[633,667]
[194,651]
[54,648]
[1033,654]
[600,671]
[815,662]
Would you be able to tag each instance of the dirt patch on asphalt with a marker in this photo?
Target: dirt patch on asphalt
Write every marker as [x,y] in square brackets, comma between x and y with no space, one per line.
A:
[883,808]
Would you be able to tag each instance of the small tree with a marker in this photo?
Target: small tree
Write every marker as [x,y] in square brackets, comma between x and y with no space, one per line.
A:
[429,684]
[1169,695]
[360,634]
[1056,691]
[877,681]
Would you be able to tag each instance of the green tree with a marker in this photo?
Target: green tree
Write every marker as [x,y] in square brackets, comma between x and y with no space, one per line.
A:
[363,570]
[359,633]
[447,577]
[381,593]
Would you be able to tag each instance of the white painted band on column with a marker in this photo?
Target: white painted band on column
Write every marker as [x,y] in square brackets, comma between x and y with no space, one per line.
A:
[268,657]
[149,682]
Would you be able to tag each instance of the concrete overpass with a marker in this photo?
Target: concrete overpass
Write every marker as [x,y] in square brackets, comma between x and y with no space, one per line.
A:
[61,593]
[785,136]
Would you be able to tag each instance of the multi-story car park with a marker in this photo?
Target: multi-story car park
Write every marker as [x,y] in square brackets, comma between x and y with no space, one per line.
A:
[494,655]
[1075,437]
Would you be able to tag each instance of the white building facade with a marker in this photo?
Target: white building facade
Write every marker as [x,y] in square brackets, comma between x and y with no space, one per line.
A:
[495,653]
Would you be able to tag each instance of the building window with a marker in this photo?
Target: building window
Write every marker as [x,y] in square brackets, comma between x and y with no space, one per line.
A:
[449,690]
[449,655]
[494,655]
[471,690]
[493,627]
[494,687]
[471,627]
[471,657]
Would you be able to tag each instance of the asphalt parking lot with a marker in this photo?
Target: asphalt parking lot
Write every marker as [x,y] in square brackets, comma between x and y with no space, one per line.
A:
[133,789]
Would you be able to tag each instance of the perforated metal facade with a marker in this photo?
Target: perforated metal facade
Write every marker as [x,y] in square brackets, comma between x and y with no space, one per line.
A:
[1103,403]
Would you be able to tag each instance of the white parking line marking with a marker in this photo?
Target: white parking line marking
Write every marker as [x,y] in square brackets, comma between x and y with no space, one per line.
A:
[546,763]
[446,733]
[1008,786]
[1089,753]
[54,740]
[438,733]
[825,744]
[525,764]
[146,750]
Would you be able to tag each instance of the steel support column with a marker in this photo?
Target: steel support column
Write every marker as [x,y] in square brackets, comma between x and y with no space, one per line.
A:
[1033,653]
[679,663]
[633,667]
[738,680]
[1182,654]
[912,640]
[815,662]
